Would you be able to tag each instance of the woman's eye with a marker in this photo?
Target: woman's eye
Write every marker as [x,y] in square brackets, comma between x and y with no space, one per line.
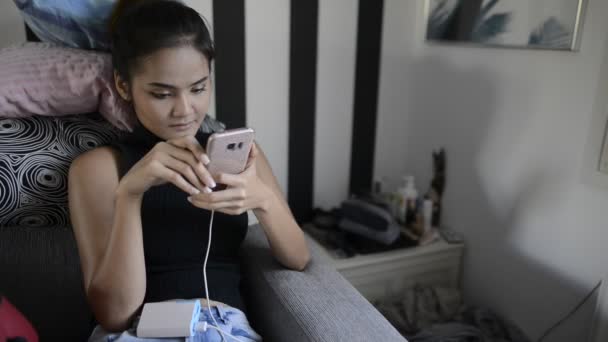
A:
[199,90]
[160,96]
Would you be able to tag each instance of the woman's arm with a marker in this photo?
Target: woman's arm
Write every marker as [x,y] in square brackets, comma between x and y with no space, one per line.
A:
[106,216]
[284,235]
[107,226]
[257,189]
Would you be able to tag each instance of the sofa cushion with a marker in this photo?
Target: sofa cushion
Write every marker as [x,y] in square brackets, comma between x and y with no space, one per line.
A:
[35,156]
[45,79]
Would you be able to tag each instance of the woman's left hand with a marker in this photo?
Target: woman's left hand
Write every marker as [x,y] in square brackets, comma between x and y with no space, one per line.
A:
[244,191]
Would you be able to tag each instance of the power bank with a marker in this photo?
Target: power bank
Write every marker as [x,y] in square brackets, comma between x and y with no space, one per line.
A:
[169,319]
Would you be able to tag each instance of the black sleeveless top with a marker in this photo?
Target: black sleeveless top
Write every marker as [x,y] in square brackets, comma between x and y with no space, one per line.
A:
[175,236]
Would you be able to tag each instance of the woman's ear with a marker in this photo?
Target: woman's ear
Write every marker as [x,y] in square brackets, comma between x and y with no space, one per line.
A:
[122,87]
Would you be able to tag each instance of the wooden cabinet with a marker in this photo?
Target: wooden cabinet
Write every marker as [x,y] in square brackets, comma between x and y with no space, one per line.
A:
[387,275]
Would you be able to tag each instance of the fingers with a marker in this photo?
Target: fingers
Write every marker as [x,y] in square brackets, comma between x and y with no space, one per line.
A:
[177,179]
[223,208]
[185,171]
[231,201]
[232,194]
[191,144]
[253,153]
[195,164]
[216,205]
[231,180]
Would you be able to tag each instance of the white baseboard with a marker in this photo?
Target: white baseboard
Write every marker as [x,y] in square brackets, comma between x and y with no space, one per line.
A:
[599,329]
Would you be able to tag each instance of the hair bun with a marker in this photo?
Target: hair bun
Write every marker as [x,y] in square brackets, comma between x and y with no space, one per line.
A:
[119,9]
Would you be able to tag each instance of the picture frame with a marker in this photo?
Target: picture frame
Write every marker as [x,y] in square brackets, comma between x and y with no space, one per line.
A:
[527,24]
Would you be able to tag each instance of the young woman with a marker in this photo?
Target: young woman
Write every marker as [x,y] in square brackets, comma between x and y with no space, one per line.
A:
[141,207]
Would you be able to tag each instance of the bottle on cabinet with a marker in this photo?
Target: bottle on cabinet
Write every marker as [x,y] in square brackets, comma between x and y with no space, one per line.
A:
[407,197]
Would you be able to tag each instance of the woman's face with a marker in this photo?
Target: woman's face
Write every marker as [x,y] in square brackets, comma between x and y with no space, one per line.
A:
[170,91]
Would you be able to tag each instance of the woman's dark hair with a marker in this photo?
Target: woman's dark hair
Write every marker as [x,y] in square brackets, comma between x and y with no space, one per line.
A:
[142,27]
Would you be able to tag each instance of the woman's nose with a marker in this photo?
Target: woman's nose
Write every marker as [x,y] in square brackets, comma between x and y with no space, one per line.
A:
[183,106]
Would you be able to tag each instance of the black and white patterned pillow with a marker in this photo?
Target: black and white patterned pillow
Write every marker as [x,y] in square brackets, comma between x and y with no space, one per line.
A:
[35,156]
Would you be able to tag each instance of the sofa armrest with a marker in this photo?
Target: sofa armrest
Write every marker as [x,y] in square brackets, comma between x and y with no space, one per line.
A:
[317,304]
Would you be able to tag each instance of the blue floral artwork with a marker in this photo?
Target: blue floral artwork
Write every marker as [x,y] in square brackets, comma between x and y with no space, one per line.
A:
[542,24]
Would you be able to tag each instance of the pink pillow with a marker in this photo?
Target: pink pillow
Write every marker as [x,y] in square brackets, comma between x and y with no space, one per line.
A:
[45,79]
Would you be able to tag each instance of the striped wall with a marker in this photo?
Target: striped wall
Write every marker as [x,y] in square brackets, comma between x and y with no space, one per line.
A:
[205,7]
[335,99]
[304,75]
[267,53]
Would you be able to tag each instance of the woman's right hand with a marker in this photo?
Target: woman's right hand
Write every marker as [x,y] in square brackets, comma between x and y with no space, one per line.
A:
[179,161]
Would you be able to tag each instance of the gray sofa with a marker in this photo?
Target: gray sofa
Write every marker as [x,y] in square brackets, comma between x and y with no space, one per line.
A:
[40,270]
[40,274]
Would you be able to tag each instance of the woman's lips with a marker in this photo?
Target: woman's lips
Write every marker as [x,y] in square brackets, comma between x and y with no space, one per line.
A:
[182,127]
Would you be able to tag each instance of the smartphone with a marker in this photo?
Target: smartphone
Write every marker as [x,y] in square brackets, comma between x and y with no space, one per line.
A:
[228,151]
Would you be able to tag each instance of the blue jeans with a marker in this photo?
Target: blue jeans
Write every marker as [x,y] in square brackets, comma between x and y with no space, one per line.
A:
[231,320]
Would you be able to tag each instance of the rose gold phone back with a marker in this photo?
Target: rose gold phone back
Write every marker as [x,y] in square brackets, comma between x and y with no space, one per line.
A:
[226,159]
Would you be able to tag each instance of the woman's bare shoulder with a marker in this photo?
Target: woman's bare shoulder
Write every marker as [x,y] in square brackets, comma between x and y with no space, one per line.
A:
[100,162]
[97,155]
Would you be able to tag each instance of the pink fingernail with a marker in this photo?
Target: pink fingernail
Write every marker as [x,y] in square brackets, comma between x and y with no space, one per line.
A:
[207,190]
[189,199]
[205,159]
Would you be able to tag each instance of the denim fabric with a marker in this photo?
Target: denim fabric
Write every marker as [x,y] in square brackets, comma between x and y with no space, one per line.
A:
[231,320]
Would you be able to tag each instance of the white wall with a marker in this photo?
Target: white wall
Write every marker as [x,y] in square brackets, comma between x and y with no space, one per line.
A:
[267,78]
[11,24]
[205,8]
[336,50]
[267,75]
[516,125]
[267,50]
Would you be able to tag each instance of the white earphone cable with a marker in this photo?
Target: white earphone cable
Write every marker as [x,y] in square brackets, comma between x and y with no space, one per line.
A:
[216,327]
[205,274]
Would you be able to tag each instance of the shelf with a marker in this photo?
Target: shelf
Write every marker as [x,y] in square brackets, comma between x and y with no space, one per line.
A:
[388,274]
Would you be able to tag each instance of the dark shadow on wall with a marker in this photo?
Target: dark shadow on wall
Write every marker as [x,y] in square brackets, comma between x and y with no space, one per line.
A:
[454,107]
[30,35]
